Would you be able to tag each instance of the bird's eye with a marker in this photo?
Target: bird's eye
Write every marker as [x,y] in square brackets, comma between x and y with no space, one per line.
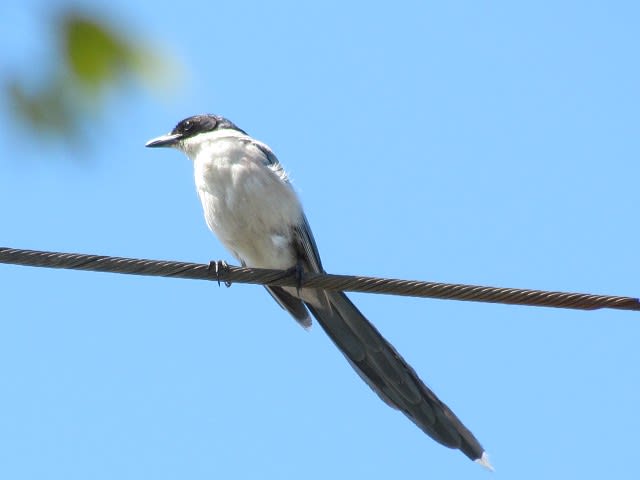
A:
[188,125]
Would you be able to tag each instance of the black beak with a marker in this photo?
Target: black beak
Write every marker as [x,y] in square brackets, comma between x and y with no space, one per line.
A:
[168,140]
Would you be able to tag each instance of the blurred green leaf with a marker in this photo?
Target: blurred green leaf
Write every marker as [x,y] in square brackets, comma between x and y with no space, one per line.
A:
[95,59]
[95,55]
[49,109]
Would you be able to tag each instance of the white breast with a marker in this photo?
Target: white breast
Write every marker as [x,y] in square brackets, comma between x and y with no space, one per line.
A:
[246,204]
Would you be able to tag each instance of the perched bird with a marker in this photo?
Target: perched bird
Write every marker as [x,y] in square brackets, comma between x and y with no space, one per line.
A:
[251,206]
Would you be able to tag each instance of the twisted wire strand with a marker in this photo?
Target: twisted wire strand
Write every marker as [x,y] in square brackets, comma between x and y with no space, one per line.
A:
[231,274]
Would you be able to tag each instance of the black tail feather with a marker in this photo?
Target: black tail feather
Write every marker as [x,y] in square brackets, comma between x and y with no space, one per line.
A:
[389,375]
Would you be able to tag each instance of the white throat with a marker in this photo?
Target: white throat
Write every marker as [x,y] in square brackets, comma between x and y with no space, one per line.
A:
[203,142]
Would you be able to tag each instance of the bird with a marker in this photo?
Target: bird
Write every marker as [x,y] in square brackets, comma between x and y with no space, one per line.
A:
[249,203]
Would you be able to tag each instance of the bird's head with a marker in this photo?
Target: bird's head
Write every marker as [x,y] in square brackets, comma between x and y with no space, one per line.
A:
[192,130]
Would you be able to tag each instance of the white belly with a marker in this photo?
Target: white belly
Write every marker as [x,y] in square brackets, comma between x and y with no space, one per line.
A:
[249,208]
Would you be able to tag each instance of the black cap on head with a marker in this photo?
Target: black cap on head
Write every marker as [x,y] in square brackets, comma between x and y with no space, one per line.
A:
[192,126]
[202,123]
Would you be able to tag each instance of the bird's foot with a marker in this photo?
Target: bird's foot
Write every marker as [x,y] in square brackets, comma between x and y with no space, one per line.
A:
[298,273]
[217,267]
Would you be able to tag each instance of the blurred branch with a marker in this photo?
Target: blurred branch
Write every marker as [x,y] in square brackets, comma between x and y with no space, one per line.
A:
[95,59]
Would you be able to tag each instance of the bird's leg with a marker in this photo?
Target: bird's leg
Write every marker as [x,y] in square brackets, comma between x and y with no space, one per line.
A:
[298,273]
[218,266]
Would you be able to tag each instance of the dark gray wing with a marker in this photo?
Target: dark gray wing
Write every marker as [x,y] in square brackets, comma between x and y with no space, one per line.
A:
[305,245]
[291,304]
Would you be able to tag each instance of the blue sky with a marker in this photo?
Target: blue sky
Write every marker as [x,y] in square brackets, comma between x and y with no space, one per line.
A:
[473,142]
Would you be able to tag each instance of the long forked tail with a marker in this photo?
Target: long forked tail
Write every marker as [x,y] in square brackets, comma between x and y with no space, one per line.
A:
[390,376]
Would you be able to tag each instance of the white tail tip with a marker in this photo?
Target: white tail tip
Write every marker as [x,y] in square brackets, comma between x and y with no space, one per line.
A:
[484,461]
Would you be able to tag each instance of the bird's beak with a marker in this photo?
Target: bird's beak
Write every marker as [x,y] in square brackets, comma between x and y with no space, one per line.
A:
[168,140]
